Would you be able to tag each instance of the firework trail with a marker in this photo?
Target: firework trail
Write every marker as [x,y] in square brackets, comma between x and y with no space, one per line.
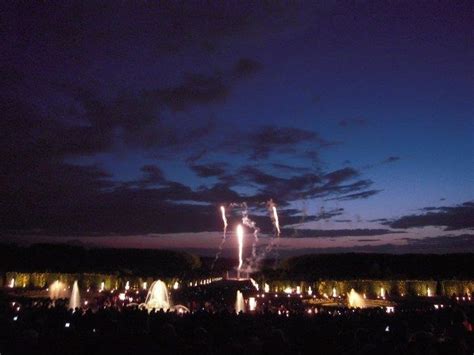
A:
[275,220]
[246,221]
[276,224]
[240,239]
[224,219]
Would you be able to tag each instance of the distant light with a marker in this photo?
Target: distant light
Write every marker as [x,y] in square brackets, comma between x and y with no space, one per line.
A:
[252,303]
[175,285]
[15,318]
[122,296]
[67,325]
[390,309]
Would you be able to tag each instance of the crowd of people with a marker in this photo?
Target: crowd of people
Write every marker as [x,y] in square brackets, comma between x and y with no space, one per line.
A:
[36,327]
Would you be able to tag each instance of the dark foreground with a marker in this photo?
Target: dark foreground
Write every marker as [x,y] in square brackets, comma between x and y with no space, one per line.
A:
[55,330]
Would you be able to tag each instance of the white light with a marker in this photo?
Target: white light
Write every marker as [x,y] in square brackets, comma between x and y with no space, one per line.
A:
[122,296]
[266,288]
[15,318]
[252,303]
[390,309]
[175,285]
[240,239]
[67,325]
[288,290]
[127,286]
[310,291]
[298,289]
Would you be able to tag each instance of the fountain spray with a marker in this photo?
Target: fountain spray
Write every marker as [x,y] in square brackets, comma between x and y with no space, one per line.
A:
[224,219]
[275,220]
[246,221]
[240,240]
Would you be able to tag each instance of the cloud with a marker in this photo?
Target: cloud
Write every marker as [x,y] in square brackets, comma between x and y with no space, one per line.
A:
[356,196]
[391,159]
[264,141]
[195,90]
[246,67]
[153,174]
[433,245]
[209,170]
[453,218]
[290,168]
[353,122]
[325,215]
[335,233]
[337,176]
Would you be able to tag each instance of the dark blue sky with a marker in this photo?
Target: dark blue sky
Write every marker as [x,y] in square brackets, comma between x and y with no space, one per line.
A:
[141,118]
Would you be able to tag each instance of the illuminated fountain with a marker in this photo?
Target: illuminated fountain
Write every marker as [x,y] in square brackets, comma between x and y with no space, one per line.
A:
[240,240]
[266,288]
[355,300]
[239,303]
[57,290]
[75,300]
[157,296]
[252,304]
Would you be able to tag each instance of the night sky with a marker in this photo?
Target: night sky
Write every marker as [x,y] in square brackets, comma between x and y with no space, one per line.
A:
[128,123]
